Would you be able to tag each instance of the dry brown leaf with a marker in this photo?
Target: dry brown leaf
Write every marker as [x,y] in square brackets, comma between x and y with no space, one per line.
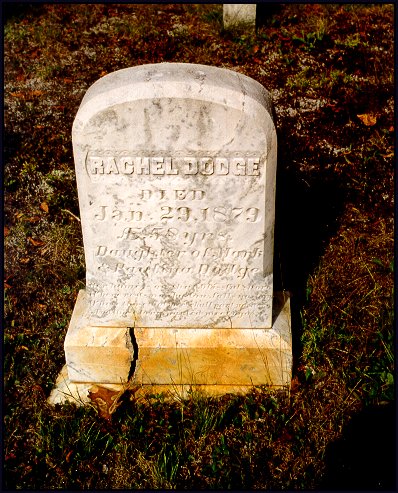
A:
[44,206]
[294,384]
[390,154]
[27,95]
[6,231]
[33,219]
[368,119]
[107,401]
[36,243]
[37,387]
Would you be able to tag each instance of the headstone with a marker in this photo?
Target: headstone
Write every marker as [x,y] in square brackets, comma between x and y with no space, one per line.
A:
[176,167]
[239,14]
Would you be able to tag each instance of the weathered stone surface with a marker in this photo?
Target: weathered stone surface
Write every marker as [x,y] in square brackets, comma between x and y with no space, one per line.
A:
[211,356]
[77,393]
[239,14]
[96,354]
[178,362]
[176,167]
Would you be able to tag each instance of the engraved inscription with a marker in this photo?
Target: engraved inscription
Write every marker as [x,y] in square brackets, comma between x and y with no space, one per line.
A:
[205,299]
[212,253]
[160,165]
[177,194]
[218,214]
[203,270]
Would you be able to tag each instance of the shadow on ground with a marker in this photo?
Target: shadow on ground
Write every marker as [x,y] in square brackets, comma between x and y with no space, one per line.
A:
[365,458]
[306,218]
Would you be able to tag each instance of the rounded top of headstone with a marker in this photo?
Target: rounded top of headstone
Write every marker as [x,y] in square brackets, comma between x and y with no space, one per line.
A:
[176,80]
[176,168]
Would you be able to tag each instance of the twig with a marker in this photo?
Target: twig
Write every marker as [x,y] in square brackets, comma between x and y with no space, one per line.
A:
[71,213]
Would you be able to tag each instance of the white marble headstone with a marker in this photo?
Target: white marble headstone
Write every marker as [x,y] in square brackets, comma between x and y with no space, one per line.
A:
[176,168]
[239,14]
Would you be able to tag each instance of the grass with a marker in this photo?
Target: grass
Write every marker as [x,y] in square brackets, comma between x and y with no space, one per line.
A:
[329,68]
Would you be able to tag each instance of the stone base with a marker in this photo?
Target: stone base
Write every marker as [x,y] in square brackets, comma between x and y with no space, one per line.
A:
[77,393]
[94,353]
[174,361]
[217,357]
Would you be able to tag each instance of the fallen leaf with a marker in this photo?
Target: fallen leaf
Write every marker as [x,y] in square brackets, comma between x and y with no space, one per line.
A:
[44,206]
[25,260]
[107,401]
[36,243]
[68,81]
[368,119]
[33,219]
[68,455]
[26,95]
[37,387]
[286,436]
[294,384]
[6,231]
